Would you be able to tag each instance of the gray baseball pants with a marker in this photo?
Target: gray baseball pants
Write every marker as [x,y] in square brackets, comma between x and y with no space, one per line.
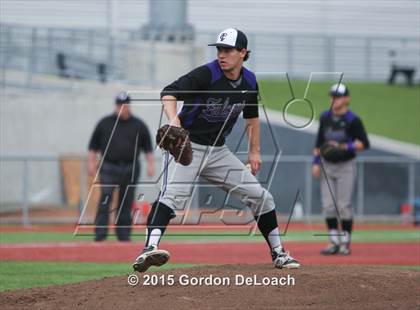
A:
[219,166]
[340,186]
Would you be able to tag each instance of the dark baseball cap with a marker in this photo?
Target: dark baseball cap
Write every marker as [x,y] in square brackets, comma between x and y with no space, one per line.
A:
[339,90]
[122,97]
[231,38]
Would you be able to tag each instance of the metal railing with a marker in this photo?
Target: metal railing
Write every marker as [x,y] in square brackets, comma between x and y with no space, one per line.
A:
[401,171]
[11,179]
[34,50]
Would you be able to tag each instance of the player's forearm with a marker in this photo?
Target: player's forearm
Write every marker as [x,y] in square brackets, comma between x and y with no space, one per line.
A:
[253,131]
[150,159]
[169,106]
[150,164]
[93,161]
[356,146]
[317,156]
[92,157]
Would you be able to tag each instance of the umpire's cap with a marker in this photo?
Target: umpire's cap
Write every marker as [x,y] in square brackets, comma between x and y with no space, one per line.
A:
[231,38]
[122,98]
[339,90]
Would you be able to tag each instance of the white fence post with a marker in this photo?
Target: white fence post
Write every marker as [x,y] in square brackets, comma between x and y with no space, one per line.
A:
[25,193]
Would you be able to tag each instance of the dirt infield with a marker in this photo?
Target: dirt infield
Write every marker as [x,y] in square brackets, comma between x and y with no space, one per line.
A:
[315,287]
[345,282]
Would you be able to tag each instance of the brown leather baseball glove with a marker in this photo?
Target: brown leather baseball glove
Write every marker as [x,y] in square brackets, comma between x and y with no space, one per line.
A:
[177,142]
[331,152]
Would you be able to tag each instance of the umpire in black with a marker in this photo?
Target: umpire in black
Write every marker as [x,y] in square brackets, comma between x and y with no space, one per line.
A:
[118,138]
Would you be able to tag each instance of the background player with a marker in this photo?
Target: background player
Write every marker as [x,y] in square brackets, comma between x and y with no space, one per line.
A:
[122,136]
[341,134]
[214,95]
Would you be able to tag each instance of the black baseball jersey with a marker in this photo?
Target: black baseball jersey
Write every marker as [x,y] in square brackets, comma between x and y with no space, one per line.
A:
[212,102]
[342,129]
[122,147]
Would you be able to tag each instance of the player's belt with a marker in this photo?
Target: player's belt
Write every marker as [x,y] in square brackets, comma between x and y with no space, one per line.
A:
[119,162]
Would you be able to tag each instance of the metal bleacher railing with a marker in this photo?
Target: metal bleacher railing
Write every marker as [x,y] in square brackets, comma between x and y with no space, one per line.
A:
[94,53]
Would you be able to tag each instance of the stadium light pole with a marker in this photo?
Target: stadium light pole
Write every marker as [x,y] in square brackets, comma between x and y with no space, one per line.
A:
[111,18]
[168,21]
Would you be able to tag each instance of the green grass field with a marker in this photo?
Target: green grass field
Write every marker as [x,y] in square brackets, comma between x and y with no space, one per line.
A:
[390,111]
[223,236]
[18,275]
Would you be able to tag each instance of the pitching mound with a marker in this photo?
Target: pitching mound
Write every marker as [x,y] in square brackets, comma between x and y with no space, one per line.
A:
[234,287]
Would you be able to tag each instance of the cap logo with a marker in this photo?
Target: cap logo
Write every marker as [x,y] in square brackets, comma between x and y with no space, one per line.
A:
[223,36]
[122,96]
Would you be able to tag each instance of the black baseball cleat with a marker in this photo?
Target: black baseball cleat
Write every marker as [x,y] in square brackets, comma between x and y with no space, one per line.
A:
[150,256]
[282,259]
[331,249]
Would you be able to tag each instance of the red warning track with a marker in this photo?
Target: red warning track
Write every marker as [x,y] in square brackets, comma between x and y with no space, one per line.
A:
[212,253]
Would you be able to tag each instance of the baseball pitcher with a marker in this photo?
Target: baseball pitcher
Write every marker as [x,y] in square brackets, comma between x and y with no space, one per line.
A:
[214,96]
